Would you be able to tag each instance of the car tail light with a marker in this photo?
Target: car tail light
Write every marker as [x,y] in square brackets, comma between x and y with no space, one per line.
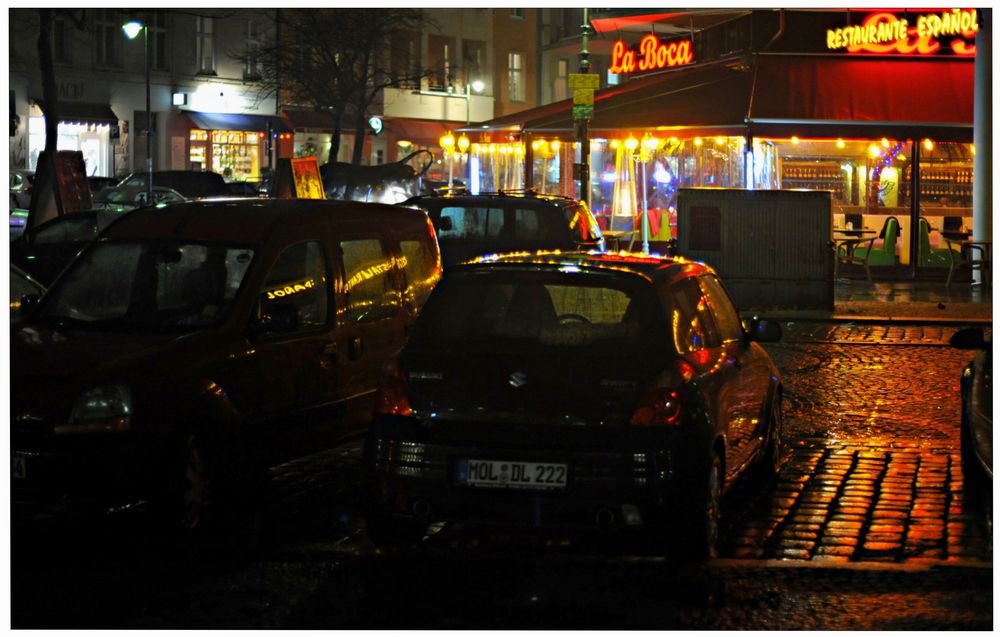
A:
[392,397]
[660,407]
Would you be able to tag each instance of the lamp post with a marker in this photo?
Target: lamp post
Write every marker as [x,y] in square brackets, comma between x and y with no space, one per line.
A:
[132,30]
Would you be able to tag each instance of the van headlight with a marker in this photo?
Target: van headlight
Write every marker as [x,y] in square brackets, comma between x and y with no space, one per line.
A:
[103,409]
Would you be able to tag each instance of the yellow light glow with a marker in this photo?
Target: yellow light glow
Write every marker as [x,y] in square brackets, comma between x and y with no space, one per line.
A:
[972,147]
[795,140]
[719,141]
[631,143]
[885,143]
[463,143]
[874,151]
[901,157]
[928,144]
[697,141]
[614,143]
[555,145]
[534,145]
[840,143]
[651,143]
[447,141]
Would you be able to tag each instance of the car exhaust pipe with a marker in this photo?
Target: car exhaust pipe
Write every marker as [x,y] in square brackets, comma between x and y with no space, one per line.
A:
[421,508]
[605,518]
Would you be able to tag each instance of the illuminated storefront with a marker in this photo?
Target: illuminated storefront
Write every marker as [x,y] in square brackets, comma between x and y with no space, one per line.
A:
[233,145]
[877,109]
[90,129]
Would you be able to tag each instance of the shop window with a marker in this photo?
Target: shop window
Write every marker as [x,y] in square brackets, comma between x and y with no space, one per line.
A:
[299,278]
[108,37]
[545,166]
[236,155]
[205,44]
[368,286]
[515,77]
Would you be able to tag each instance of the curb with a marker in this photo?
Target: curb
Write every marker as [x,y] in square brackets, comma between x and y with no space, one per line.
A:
[914,566]
[813,317]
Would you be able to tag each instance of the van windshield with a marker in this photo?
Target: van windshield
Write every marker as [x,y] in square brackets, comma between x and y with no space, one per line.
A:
[148,285]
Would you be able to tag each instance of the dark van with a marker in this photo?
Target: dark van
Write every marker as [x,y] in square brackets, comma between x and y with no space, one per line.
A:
[191,342]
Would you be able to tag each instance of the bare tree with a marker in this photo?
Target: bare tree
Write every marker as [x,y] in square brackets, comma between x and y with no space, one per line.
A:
[334,61]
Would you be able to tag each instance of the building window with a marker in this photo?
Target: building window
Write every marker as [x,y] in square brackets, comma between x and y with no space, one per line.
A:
[515,76]
[404,59]
[440,61]
[205,44]
[60,41]
[473,60]
[251,67]
[517,14]
[158,40]
[560,85]
[108,36]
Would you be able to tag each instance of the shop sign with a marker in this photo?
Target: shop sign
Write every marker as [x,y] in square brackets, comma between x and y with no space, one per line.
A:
[652,55]
[885,32]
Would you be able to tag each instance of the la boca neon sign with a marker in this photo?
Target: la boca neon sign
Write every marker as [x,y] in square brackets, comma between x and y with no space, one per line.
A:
[888,33]
[652,55]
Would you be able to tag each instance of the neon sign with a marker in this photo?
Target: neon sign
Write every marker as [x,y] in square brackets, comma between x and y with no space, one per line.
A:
[654,55]
[887,33]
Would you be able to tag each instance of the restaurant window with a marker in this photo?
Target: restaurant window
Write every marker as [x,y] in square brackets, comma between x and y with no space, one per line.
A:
[298,278]
[515,76]
[368,287]
[108,36]
[546,156]
[251,65]
[61,52]
[235,154]
[205,44]
[946,178]
[440,61]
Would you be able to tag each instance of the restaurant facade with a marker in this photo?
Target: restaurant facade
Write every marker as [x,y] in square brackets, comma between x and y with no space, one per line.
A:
[876,107]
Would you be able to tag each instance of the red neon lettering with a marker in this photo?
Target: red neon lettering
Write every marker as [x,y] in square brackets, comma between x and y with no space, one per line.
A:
[655,55]
[916,42]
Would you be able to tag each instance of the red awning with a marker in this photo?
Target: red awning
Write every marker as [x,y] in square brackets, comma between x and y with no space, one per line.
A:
[780,96]
[419,131]
[865,97]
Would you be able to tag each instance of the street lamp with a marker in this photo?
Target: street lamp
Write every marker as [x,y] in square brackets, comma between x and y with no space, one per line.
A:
[448,144]
[132,30]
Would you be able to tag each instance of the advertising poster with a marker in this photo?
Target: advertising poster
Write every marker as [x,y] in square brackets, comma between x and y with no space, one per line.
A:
[308,182]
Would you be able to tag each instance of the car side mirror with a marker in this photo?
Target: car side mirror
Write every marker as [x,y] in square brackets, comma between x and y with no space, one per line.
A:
[280,318]
[968,338]
[762,330]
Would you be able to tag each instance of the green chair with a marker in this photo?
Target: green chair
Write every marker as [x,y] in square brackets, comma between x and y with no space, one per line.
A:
[884,254]
[928,257]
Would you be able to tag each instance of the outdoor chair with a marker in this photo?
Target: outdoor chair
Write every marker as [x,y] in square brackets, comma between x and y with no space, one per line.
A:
[866,253]
[928,257]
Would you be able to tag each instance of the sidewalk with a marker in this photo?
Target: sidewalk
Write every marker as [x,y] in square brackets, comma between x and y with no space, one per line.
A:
[900,302]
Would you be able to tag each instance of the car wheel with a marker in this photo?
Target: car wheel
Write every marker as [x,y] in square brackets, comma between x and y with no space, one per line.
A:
[707,543]
[771,460]
[385,530]
[184,503]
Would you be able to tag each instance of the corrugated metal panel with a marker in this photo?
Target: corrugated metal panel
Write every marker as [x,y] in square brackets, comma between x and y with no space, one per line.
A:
[772,248]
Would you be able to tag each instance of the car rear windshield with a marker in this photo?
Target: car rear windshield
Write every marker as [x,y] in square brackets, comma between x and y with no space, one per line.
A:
[530,309]
[149,285]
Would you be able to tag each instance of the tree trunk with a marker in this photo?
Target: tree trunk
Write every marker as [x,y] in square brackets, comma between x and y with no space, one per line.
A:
[360,112]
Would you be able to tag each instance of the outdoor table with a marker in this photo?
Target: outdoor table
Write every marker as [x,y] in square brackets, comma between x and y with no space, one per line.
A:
[617,237]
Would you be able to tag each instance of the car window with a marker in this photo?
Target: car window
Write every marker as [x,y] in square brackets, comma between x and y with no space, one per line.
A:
[533,224]
[150,284]
[693,326]
[299,278]
[726,318]
[421,271]
[526,310]
[368,286]
[470,222]
[15,180]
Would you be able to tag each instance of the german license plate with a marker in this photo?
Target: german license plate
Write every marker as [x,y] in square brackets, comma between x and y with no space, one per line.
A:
[503,474]
[18,466]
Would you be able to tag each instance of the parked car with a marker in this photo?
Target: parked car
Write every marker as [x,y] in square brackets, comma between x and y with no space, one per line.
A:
[190,184]
[977,417]
[24,292]
[611,391]
[21,182]
[125,199]
[243,188]
[44,251]
[192,342]
[99,183]
[473,225]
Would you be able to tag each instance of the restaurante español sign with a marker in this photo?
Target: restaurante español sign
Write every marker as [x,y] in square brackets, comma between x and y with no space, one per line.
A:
[886,32]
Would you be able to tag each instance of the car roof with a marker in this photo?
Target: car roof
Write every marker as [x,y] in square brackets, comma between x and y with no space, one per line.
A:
[250,219]
[652,267]
[461,196]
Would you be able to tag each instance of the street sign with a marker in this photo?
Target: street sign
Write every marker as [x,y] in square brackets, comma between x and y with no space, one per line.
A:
[583,111]
[584,80]
[583,96]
